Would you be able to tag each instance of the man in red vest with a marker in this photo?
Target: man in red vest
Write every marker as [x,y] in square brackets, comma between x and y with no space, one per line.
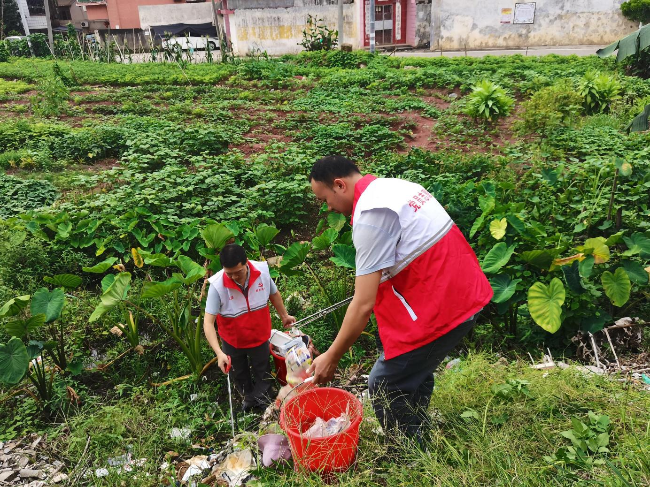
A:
[238,299]
[418,274]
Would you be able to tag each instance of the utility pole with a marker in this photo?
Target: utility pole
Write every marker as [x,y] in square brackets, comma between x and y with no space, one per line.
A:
[48,19]
[372,26]
[340,23]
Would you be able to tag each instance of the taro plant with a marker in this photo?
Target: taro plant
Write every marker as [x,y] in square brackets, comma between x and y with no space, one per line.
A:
[488,101]
[328,238]
[45,308]
[23,318]
[177,295]
[180,295]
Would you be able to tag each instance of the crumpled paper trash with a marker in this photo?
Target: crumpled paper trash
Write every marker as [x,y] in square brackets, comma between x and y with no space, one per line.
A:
[322,428]
[236,468]
[274,448]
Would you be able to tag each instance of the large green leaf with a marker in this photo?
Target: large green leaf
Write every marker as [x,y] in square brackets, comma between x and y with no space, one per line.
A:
[14,361]
[539,258]
[324,240]
[116,292]
[336,221]
[640,122]
[344,256]
[49,303]
[295,255]
[107,280]
[598,248]
[193,271]
[68,281]
[637,244]
[20,328]
[617,286]
[497,257]
[216,235]
[157,260]
[572,277]
[586,266]
[265,234]
[159,289]
[636,272]
[476,226]
[624,167]
[14,306]
[545,304]
[101,267]
[98,312]
[498,228]
[503,287]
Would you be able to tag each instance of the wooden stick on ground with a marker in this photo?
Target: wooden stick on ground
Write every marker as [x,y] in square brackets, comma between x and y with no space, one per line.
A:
[613,349]
[593,344]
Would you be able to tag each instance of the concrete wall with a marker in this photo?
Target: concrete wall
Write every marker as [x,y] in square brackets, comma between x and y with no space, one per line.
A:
[422,24]
[279,30]
[470,24]
[185,13]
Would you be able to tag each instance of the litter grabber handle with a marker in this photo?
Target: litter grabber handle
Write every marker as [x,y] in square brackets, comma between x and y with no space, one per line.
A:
[229,366]
[321,313]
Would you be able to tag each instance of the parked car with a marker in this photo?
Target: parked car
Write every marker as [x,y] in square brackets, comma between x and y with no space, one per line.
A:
[16,38]
[191,42]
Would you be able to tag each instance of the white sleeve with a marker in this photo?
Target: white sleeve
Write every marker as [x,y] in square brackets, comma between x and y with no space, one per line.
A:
[375,236]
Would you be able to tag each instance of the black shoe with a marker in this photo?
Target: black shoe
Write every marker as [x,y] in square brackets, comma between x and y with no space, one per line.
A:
[248,406]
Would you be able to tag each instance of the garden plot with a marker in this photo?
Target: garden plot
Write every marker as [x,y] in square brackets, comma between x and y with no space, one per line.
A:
[122,182]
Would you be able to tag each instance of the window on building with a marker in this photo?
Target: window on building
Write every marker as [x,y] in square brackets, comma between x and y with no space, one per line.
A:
[36,7]
[63,13]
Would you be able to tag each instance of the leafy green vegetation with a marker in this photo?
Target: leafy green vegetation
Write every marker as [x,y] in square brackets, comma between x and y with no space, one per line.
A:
[123,181]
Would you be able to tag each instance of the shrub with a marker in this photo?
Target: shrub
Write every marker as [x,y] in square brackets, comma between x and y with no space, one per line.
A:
[18,195]
[637,10]
[598,91]
[550,108]
[488,101]
[4,52]
[318,37]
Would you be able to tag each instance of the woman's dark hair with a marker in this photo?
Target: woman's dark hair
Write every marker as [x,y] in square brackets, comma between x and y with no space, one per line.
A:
[232,255]
[327,169]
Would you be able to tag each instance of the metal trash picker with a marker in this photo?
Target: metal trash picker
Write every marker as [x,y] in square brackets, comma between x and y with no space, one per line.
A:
[232,417]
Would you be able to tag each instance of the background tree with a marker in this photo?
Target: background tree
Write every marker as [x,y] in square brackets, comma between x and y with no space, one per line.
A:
[637,10]
[10,23]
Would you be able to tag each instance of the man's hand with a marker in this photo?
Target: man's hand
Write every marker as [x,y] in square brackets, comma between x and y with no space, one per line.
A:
[288,320]
[323,368]
[223,360]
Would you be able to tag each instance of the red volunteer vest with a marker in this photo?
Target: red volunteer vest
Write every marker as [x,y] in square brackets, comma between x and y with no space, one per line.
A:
[244,321]
[425,298]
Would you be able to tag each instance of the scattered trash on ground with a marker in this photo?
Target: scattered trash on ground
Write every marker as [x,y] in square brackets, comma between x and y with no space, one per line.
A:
[180,433]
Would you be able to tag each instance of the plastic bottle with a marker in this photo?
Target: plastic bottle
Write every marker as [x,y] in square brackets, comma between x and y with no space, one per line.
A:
[298,360]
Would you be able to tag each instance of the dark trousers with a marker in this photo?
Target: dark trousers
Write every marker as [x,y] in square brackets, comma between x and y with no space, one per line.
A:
[401,387]
[256,390]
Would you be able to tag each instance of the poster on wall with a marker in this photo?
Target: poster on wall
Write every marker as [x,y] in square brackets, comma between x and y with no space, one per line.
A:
[506,16]
[524,13]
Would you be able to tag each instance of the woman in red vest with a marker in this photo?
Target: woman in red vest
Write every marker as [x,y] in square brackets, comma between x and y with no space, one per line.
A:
[418,274]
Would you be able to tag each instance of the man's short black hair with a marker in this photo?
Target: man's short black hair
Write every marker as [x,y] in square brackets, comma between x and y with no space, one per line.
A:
[327,169]
[232,255]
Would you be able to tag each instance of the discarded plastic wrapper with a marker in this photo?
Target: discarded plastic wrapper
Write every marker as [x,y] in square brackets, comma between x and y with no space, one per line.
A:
[274,447]
[322,428]
[282,342]
[298,360]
